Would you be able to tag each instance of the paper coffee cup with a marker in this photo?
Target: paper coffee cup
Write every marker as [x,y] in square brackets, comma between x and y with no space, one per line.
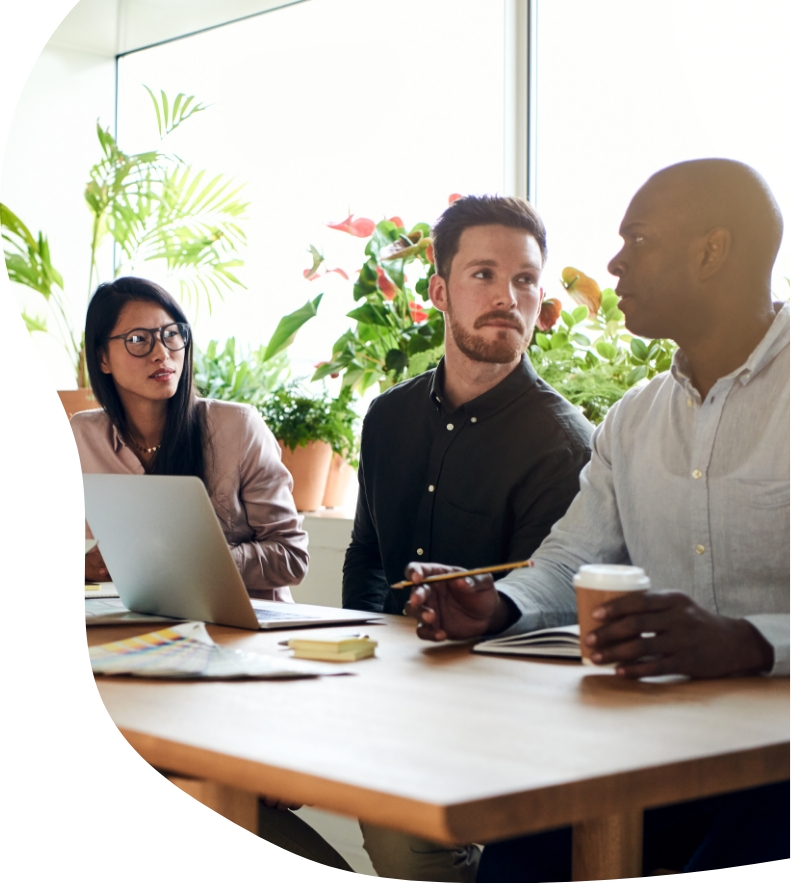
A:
[597,584]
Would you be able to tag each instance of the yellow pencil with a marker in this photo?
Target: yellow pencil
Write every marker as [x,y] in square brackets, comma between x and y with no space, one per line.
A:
[404,584]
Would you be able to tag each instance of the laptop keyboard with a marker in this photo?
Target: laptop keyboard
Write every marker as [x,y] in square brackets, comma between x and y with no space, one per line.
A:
[266,614]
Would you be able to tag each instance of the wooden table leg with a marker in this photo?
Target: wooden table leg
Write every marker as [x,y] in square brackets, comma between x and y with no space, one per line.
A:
[608,847]
[235,805]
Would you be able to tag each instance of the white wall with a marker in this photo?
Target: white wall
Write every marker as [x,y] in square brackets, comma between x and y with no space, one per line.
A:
[51,146]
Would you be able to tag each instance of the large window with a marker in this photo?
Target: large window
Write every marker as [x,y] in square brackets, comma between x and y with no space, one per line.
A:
[626,88]
[326,108]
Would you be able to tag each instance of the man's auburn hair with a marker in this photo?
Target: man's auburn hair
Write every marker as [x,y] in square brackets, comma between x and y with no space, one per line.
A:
[479,211]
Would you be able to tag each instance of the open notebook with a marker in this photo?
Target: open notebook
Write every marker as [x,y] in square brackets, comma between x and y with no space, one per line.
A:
[558,641]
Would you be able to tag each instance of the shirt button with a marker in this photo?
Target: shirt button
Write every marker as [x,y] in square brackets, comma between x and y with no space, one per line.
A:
[450,426]
[419,551]
[700,549]
[430,487]
[690,403]
[696,474]
[473,420]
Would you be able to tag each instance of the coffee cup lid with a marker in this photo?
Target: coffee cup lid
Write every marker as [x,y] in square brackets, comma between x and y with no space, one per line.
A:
[612,577]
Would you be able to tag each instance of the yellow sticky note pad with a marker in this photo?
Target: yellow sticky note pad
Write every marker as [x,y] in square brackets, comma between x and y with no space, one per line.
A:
[333,649]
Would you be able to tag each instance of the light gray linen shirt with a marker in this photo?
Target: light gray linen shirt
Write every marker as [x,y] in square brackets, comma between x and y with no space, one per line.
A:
[696,493]
[250,490]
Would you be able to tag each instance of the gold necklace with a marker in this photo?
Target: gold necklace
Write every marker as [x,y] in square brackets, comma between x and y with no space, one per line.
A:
[146,450]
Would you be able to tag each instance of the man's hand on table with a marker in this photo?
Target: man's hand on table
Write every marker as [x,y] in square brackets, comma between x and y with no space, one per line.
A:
[95,569]
[687,640]
[455,609]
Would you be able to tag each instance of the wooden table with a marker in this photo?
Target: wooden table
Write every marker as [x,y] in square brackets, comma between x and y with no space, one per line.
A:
[459,747]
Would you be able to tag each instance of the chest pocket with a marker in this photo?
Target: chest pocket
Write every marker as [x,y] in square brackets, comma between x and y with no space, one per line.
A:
[469,539]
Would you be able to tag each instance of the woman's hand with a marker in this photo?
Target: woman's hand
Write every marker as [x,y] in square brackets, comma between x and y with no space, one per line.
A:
[95,569]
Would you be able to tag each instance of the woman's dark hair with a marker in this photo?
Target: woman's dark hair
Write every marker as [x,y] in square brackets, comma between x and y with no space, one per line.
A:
[185,448]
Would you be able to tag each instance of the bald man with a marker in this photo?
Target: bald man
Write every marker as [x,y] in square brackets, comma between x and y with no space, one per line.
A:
[689,479]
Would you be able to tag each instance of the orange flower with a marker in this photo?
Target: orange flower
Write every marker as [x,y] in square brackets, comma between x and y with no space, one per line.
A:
[361,227]
[386,285]
[582,288]
[453,197]
[418,313]
[430,253]
[549,314]
[396,220]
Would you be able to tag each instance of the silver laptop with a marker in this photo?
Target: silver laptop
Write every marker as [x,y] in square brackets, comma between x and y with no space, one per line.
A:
[167,555]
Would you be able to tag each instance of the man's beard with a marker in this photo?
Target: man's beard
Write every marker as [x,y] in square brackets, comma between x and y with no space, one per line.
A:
[500,351]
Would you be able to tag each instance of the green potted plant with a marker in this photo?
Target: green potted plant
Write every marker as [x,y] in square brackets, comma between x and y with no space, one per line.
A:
[310,427]
[316,433]
[155,207]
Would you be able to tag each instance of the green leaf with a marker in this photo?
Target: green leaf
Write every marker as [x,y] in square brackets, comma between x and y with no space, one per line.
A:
[325,370]
[579,313]
[639,349]
[637,374]
[664,363]
[603,348]
[542,340]
[34,323]
[558,340]
[371,314]
[418,344]
[580,339]
[288,327]
[612,327]
[567,318]
[396,361]
[608,300]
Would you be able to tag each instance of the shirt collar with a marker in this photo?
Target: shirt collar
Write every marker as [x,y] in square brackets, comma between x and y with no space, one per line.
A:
[492,401]
[776,337]
[118,442]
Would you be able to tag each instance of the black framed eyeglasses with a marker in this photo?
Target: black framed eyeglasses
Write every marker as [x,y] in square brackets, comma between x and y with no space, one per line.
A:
[140,341]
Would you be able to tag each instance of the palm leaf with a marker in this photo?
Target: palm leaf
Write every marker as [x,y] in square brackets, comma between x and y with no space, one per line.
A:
[170,117]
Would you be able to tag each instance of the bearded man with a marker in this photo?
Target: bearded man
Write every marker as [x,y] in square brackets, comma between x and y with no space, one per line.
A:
[472,462]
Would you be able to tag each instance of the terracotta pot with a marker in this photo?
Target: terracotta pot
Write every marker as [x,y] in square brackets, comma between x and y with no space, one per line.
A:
[309,467]
[78,400]
[340,475]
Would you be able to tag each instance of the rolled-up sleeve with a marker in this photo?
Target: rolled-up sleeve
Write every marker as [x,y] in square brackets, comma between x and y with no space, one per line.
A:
[774,628]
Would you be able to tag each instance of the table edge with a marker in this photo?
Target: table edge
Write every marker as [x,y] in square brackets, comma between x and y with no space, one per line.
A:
[485,819]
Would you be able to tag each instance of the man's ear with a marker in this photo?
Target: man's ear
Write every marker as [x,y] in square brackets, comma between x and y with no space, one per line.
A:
[438,292]
[713,252]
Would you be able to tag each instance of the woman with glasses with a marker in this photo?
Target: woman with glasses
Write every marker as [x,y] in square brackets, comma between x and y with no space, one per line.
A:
[138,350]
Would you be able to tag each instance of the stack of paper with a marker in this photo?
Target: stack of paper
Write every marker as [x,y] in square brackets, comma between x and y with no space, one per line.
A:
[559,641]
[333,648]
[187,651]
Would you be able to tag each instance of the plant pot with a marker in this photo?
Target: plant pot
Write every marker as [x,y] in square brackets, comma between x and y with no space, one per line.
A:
[78,400]
[309,467]
[338,479]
